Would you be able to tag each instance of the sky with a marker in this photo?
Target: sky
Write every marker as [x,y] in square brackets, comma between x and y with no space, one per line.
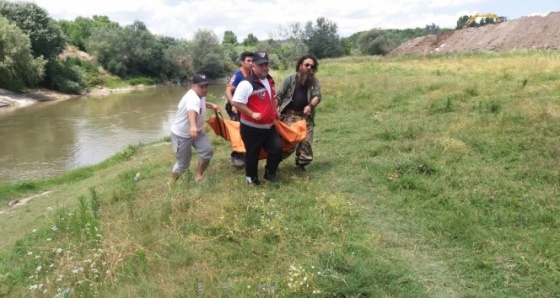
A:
[267,18]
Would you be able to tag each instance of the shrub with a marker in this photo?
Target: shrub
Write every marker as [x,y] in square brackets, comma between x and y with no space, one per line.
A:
[65,76]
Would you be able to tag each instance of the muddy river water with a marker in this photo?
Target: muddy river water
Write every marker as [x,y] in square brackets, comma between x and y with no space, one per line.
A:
[49,138]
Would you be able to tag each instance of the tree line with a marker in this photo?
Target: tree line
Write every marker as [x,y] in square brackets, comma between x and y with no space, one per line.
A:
[31,43]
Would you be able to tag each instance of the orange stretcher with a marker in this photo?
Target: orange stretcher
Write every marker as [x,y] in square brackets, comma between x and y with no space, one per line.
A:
[291,135]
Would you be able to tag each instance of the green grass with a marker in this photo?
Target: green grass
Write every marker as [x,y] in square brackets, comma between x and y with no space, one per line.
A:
[433,177]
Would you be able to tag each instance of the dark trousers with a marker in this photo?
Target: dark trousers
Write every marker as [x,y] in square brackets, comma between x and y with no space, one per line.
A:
[256,138]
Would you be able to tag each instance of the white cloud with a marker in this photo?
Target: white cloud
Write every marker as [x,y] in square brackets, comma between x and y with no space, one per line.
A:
[182,19]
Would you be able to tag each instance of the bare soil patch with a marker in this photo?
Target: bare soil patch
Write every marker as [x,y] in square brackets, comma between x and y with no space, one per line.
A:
[13,99]
[534,32]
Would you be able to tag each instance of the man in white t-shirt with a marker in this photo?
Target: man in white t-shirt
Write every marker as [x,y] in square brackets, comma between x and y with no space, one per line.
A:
[186,131]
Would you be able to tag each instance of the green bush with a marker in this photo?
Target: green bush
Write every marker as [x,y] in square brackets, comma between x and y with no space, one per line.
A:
[142,81]
[65,76]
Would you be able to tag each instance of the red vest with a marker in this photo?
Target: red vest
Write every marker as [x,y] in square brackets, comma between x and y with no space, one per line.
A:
[261,102]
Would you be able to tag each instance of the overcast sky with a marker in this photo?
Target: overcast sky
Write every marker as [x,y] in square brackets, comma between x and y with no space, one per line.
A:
[181,18]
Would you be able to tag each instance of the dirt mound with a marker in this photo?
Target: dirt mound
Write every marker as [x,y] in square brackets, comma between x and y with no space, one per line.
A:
[71,51]
[535,32]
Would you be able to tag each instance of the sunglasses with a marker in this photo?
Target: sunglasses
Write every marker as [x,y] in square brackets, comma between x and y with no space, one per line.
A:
[308,65]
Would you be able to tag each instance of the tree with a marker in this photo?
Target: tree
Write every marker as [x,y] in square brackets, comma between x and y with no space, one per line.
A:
[46,37]
[145,53]
[79,30]
[230,54]
[204,42]
[487,21]
[128,51]
[322,39]
[293,44]
[65,76]
[211,65]
[250,41]
[109,48]
[18,68]
[375,42]
[431,29]
[229,38]
[47,41]
[207,53]
[350,43]
[462,21]
[179,60]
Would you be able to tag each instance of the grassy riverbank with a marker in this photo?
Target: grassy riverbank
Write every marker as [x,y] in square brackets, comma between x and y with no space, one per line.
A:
[434,177]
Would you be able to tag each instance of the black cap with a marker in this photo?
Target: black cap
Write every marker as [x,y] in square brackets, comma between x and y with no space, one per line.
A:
[260,57]
[200,80]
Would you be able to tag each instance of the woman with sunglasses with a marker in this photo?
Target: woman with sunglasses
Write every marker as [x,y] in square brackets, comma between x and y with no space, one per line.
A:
[297,98]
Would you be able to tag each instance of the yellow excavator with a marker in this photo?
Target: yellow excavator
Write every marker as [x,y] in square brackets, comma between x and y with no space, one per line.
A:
[498,19]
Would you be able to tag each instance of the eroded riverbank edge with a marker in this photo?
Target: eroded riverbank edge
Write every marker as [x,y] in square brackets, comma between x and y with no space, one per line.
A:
[9,99]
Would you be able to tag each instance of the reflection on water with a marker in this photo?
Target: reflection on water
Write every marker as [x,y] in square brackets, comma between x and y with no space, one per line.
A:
[46,139]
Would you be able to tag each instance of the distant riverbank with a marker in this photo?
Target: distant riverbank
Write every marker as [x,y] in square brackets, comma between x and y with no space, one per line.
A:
[14,99]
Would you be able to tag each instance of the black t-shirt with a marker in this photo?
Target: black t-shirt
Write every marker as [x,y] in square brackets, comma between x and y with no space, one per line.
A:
[299,101]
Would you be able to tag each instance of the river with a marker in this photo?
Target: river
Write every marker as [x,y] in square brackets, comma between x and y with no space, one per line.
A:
[49,138]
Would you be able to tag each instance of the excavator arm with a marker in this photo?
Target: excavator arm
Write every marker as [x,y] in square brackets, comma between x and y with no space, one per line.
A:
[494,16]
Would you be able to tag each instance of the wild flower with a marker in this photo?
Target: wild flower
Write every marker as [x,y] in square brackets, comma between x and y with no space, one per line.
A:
[378,117]
[200,288]
[301,280]
[393,176]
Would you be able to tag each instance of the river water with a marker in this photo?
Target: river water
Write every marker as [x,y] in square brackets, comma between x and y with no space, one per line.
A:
[49,138]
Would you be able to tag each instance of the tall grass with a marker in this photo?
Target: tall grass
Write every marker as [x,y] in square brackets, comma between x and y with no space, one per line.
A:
[433,177]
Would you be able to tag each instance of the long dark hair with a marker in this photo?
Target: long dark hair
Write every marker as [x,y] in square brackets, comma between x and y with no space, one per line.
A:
[307,56]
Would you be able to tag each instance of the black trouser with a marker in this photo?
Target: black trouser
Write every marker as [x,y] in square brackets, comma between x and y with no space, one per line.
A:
[256,138]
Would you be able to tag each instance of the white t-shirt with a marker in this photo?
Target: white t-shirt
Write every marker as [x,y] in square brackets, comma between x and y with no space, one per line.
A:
[189,102]
[267,86]
[244,90]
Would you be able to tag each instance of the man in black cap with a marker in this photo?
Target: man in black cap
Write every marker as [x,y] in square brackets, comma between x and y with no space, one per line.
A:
[255,99]
[186,130]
